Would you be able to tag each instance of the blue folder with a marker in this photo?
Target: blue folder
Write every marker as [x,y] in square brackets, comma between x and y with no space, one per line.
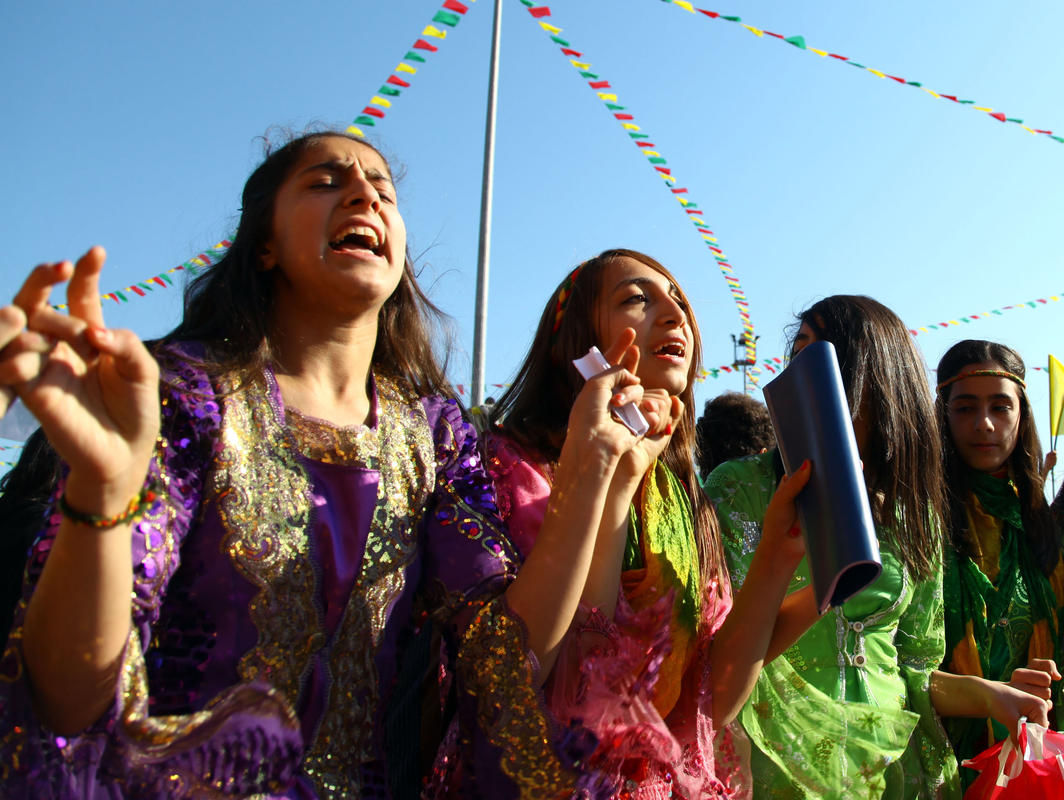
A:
[811,418]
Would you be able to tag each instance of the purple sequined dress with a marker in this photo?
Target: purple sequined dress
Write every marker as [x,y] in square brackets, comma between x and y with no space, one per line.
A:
[278,584]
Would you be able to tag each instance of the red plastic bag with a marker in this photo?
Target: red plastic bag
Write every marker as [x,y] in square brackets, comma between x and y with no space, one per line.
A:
[1032,769]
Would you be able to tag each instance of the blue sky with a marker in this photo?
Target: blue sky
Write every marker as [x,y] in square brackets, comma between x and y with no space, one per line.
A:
[134,125]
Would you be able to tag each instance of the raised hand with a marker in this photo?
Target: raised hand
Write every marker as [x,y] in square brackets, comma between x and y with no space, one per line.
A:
[780,530]
[591,420]
[12,322]
[94,390]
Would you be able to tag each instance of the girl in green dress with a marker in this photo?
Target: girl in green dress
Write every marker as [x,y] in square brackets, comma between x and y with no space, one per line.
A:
[1004,574]
[852,708]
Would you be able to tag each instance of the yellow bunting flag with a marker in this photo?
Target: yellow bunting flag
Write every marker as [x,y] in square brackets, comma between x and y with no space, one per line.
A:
[355,131]
[549,28]
[607,98]
[380,101]
[876,72]
[431,30]
[1056,395]
[406,68]
[580,64]
[821,53]
[753,30]
[684,4]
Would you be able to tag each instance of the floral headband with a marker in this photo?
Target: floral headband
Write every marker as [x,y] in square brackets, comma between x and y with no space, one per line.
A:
[983,373]
[564,293]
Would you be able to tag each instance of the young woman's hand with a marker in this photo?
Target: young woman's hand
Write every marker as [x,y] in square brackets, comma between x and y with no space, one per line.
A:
[1036,678]
[12,322]
[1007,704]
[970,696]
[592,425]
[780,530]
[95,391]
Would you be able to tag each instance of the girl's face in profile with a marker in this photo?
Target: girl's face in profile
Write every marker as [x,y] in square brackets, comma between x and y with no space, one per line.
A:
[634,295]
[984,418]
[338,239]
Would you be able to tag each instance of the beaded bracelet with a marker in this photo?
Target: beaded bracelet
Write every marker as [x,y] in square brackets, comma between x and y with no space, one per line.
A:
[137,506]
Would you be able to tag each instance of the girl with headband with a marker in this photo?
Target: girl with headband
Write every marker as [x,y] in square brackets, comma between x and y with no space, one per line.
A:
[646,654]
[237,591]
[851,710]
[1004,579]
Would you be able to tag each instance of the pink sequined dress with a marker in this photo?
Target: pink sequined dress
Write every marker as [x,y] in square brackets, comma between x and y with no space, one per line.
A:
[607,674]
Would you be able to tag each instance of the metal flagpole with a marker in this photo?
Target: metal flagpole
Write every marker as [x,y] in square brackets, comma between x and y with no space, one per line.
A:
[481,315]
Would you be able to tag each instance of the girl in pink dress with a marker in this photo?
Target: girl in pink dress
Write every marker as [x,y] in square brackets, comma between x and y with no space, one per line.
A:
[655,656]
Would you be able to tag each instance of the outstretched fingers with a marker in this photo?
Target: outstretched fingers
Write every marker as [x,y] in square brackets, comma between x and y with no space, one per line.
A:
[12,321]
[38,285]
[83,293]
[623,352]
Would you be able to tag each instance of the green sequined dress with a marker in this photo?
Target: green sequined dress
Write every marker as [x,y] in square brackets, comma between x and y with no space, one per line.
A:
[846,711]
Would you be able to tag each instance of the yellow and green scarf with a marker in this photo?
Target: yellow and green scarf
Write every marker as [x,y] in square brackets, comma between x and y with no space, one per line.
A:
[661,556]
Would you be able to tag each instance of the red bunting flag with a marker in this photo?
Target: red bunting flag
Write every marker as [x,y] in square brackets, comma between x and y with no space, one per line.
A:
[397,81]
[541,11]
[421,44]
[454,5]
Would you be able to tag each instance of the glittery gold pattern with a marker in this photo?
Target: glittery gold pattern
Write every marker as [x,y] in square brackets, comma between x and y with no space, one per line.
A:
[495,667]
[400,449]
[262,495]
[190,741]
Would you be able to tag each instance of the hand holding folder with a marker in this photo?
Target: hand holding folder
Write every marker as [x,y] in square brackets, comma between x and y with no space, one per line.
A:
[811,417]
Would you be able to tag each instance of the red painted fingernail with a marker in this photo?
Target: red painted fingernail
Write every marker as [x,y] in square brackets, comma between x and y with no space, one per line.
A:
[805,465]
[668,429]
[795,531]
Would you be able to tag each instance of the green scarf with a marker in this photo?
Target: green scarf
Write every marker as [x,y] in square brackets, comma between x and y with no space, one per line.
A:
[972,599]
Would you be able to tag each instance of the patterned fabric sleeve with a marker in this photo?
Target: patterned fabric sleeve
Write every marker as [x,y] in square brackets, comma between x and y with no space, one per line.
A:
[740,490]
[921,643]
[126,750]
[504,743]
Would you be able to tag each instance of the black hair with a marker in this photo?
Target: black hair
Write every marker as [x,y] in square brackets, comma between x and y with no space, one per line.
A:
[1024,462]
[889,397]
[732,425]
[229,306]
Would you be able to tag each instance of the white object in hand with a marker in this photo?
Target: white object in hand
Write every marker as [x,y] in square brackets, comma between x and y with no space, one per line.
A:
[594,363]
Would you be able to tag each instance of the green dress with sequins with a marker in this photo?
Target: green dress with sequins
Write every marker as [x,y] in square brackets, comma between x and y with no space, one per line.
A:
[846,711]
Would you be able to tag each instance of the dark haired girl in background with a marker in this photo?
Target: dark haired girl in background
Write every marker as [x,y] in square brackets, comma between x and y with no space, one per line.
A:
[1004,573]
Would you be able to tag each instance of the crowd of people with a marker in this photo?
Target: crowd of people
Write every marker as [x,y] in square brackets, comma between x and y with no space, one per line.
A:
[268,555]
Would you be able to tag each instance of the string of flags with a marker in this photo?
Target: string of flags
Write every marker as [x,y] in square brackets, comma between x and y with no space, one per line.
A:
[447,16]
[1037,303]
[163,279]
[650,151]
[800,43]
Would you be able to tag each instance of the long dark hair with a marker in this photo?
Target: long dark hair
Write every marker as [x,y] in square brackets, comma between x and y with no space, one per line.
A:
[228,308]
[1024,462]
[535,409]
[886,387]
